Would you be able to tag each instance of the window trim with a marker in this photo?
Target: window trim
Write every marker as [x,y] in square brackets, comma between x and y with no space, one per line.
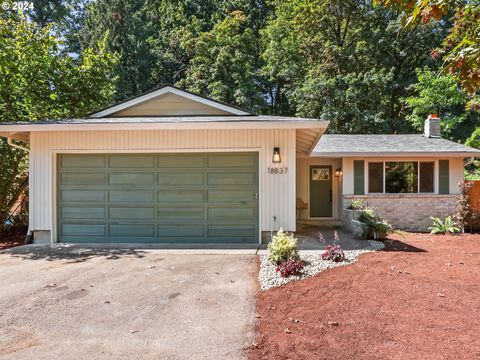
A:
[418,161]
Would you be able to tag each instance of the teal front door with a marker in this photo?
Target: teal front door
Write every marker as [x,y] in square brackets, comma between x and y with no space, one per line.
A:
[158,198]
[321,196]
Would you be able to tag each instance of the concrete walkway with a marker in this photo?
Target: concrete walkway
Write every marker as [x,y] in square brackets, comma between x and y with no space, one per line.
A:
[73,303]
[309,239]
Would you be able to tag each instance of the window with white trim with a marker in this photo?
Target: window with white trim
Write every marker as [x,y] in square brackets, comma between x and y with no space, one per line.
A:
[398,177]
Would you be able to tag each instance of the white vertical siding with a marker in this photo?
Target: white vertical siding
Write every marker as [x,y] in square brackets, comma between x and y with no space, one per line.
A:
[456,173]
[347,176]
[277,192]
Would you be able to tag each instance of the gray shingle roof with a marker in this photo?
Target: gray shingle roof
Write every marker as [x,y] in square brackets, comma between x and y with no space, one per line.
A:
[381,145]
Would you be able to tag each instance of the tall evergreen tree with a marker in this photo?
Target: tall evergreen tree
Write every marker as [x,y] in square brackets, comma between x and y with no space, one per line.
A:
[356,63]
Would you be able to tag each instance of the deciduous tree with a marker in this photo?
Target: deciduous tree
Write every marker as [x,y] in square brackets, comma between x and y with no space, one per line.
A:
[39,81]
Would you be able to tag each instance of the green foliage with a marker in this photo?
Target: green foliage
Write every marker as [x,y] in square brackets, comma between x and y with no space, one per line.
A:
[223,64]
[283,63]
[129,29]
[437,94]
[358,204]
[447,226]
[39,81]
[461,46]
[165,41]
[282,247]
[474,139]
[441,94]
[473,175]
[369,226]
[65,18]
[344,61]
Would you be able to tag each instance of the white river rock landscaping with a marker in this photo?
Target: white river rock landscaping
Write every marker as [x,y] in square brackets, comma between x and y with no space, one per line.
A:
[314,264]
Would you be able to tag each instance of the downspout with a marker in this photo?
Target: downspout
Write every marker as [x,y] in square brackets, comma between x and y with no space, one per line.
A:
[12,144]
[29,237]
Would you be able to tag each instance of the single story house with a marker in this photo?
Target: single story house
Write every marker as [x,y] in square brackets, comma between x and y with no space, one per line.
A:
[170,166]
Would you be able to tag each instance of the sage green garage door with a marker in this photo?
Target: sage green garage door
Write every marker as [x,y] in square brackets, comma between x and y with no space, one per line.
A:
[158,198]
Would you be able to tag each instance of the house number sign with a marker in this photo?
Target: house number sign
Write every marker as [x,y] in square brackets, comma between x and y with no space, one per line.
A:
[278,170]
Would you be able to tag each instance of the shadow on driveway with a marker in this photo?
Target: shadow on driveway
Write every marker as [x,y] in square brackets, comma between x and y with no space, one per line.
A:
[69,253]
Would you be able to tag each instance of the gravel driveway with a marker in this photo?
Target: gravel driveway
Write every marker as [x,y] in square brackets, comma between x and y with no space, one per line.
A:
[124,304]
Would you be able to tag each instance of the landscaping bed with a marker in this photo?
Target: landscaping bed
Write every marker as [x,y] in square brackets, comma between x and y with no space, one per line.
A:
[415,299]
[269,277]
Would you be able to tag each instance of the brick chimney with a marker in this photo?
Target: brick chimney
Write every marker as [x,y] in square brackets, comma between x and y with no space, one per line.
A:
[432,126]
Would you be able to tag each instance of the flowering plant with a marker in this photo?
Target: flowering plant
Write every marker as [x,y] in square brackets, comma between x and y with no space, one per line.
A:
[333,253]
[290,267]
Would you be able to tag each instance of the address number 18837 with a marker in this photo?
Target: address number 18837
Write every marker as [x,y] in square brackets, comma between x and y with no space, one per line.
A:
[277,170]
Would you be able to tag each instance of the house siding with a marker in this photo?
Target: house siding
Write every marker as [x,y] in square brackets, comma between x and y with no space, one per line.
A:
[277,192]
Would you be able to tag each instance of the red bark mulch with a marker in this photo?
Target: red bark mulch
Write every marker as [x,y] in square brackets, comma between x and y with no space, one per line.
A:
[14,237]
[418,299]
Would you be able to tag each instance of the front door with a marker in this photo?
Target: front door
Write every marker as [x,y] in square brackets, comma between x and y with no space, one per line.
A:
[321,196]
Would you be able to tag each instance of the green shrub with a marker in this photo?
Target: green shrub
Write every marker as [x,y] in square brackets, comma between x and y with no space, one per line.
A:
[447,226]
[282,247]
[369,226]
[358,204]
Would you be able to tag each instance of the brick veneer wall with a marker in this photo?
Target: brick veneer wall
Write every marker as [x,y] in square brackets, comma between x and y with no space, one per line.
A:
[409,211]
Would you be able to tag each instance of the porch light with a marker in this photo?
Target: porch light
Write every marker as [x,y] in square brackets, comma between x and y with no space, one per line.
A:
[276,155]
[338,172]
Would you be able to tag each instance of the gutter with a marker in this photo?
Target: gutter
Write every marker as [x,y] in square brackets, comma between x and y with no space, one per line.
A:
[29,236]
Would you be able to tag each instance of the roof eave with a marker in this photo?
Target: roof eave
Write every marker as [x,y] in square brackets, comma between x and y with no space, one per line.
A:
[396,154]
[267,124]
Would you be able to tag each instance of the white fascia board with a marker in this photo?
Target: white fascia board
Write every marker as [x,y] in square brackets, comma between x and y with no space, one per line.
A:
[397,155]
[165,126]
[162,91]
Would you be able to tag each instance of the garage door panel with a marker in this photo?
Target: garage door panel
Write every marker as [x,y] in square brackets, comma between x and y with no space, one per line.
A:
[232,213]
[158,198]
[181,230]
[83,229]
[180,161]
[231,230]
[83,178]
[132,179]
[128,213]
[82,213]
[180,178]
[231,196]
[232,178]
[132,230]
[182,196]
[85,195]
[131,161]
[182,214]
[82,161]
[141,196]
[82,239]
